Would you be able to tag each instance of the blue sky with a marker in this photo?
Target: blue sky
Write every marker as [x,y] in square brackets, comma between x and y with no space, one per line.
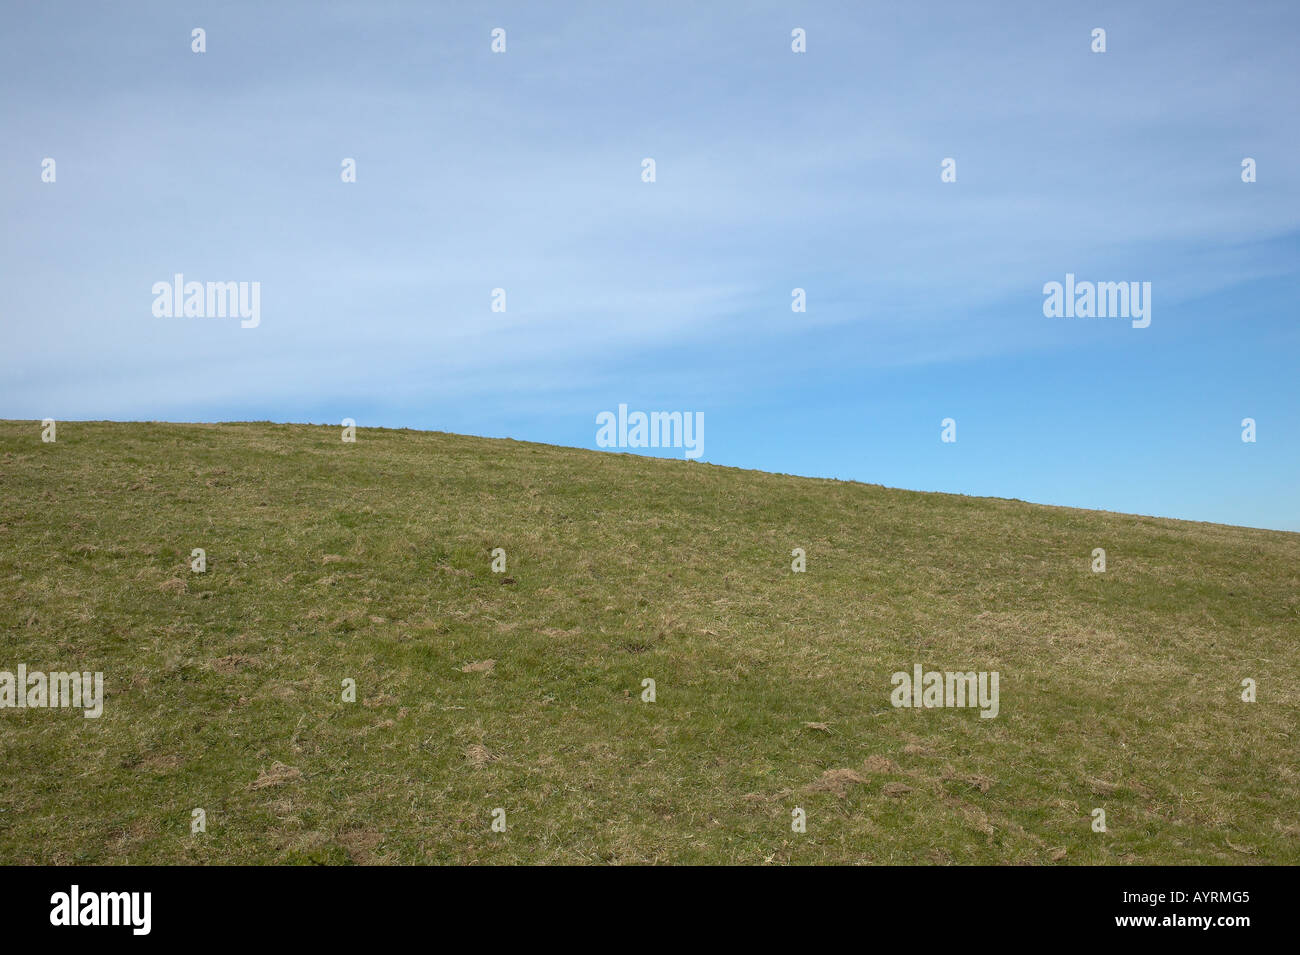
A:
[775,170]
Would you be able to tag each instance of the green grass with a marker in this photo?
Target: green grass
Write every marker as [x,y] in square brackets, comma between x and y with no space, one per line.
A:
[371,561]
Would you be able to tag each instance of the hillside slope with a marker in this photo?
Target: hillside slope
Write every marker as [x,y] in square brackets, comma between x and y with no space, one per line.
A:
[329,561]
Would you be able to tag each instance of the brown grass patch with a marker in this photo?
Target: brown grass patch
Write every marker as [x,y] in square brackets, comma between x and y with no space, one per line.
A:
[277,775]
[837,781]
[233,662]
[478,755]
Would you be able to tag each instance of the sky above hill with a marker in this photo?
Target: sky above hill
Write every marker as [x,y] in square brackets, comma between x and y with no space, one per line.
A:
[522,170]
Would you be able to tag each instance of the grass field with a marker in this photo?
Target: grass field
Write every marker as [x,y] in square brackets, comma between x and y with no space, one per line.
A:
[371,561]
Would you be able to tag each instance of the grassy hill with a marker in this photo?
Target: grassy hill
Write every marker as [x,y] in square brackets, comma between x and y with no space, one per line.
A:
[371,561]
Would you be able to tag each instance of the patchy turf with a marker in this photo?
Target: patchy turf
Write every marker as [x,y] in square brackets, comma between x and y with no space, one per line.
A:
[371,561]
